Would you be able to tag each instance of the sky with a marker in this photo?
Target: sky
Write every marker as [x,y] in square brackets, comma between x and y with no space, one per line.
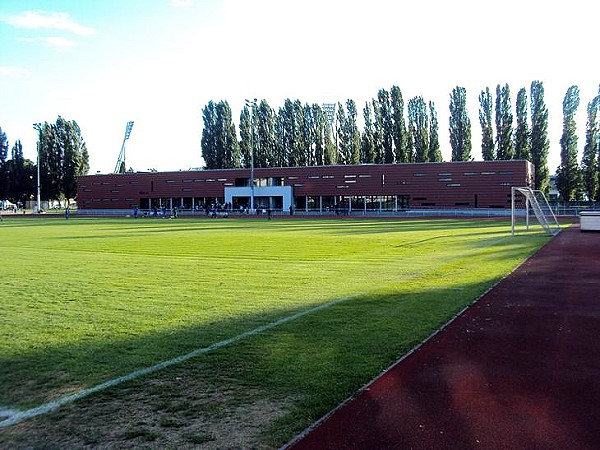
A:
[159,62]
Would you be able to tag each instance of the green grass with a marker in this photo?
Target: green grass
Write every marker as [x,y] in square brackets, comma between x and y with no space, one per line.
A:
[86,300]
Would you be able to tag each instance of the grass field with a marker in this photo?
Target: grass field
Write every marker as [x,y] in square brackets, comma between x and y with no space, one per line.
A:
[87,300]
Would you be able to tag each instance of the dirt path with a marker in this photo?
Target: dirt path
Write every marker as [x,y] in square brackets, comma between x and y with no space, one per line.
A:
[520,369]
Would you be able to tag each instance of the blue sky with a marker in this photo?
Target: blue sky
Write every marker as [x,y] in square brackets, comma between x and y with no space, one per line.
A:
[158,62]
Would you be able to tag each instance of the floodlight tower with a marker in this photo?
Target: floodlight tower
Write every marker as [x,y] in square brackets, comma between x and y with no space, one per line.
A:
[120,167]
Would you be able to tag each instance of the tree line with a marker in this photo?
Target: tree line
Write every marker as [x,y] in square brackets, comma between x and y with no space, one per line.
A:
[63,156]
[298,134]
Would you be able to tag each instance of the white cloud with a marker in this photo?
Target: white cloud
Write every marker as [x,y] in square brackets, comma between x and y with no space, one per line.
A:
[12,71]
[35,20]
[55,42]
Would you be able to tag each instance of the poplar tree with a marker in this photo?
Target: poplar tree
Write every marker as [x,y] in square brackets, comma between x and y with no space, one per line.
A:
[342,138]
[399,126]
[385,110]
[418,124]
[377,133]
[208,140]
[591,152]
[367,144]
[460,125]
[3,167]
[485,120]
[568,175]
[245,138]
[539,136]
[435,154]
[522,143]
[352,133]
[504,123]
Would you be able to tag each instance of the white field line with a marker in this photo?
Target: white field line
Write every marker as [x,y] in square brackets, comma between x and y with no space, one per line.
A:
[15,417]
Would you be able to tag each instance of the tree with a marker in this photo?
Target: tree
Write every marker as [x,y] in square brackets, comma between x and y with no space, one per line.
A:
[568,176]
[418,125]
[367,144]
[264,144]
[3,147]
[208,140]
[435,154]
[342,139]
[485,120]
[460,125]
[245,144]
[504,123]
[319,127]
[385,111]
[298,151]
[522,142]
[352,133]
[399,125]
[539,136]
[220,148]
[378,157]
[75,156]
[591,152]
[4,184]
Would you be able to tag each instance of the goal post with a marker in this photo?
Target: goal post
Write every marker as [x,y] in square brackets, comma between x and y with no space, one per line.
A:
[536,202]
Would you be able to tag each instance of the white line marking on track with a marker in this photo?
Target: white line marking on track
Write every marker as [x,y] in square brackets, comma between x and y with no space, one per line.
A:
[15,417]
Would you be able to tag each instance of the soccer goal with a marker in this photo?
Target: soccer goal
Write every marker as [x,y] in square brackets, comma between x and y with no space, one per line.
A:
[536,202]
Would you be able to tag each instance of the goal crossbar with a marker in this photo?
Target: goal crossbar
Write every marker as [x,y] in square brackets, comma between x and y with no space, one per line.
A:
[536,201]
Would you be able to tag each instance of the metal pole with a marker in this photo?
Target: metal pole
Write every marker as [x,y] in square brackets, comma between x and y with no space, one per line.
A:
[38,206]
[512,210]
[252,105]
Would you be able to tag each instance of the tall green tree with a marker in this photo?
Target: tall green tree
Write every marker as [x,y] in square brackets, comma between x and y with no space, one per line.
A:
[75,156]
[208,141]
[435,154]
[539,136]
[387,128]
[4,183]
[367,144]
[504,123]
[265,139]
[220,147]
[63,157]
[352,132]
[378,132]
[342,138]
[460,125]
[321,133]
[568,180]
[418,124]
[522,138]
[399,125]
[3,147]
[299,145]
[591,152]
[488,152]
[245,144]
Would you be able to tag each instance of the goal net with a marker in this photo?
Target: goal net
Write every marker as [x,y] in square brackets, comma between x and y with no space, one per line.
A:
[525,202]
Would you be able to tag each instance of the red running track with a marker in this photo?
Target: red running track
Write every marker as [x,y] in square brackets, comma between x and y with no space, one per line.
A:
[520,369]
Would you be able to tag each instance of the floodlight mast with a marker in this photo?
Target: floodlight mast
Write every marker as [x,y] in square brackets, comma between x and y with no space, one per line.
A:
[251,104]
[121,167]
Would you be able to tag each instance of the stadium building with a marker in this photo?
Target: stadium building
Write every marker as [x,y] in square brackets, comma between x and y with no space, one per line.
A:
[372,188]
